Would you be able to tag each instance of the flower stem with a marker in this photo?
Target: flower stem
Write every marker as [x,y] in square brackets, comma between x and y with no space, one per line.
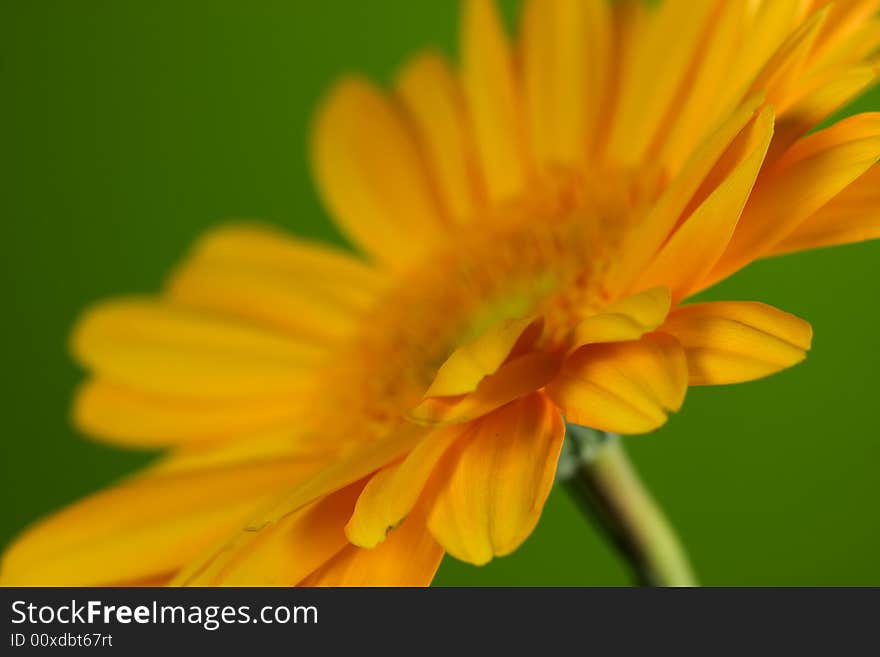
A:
[597,473]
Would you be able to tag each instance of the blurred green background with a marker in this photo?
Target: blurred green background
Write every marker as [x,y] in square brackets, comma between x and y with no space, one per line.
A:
[130,127]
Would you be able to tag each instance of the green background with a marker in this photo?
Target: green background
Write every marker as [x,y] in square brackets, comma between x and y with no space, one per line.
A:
[130,127]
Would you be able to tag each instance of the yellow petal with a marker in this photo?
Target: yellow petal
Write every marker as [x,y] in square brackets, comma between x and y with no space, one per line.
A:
[811,173]
[168,350]
[565,45]
[493,100]
[817,104]
[516,378]
[470,363]
[736,341]
[626,319]
[852,216]
[310,291]
[149,525]
[392,492]
[699,110]
[785,68]
[698,243]
[685,190]
[128,416]
[242,547]
[371,174]
[434,98]
[498,481]
[652,79]
[624,387]
[408,557]
[287,552]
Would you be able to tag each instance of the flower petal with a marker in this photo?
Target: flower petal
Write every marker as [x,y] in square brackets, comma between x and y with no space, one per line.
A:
[132,417]
[149,525]
[852,216]
[392,492]
[652,78]
[470,363]
[434,98]
[736,341]
[493,100]
[626,319]
[701,239]
[565,44]
[408,557]
[169,350]
[288,551]
[251,273]
[806,177]
[624,387]
[498,481]
[242,548]
[688,189]
[371,174]
[514,379]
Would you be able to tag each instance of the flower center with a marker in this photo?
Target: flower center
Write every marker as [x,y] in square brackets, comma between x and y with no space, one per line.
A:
[545,257]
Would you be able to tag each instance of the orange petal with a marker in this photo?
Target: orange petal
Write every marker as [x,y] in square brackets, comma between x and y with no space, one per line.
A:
[852,216]
[344,471]
[735,341]
[701,239]
[626,319]
[624,387]
[392,492]
[288,551]
[498,481]
[809,175]
[514,379]
[149,525]
[408,557]
[472,362]
[685,190]
[371,174]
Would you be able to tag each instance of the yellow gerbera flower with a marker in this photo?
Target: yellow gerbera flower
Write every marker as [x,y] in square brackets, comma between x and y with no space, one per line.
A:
[531,226]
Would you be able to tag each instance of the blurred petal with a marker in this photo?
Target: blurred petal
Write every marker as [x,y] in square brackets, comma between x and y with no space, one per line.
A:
[736,341]
[565,44]
[434,98]
[131,417]
[371,174]
[311,291]
[169,350]
[498,481]
[624,387]
[149,525]
[269,523]
[493,100]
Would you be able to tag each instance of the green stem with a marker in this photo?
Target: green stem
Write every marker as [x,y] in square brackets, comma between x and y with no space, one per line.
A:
[608,489]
